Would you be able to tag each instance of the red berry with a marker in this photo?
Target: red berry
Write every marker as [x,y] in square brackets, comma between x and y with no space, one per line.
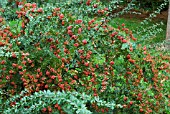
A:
[46,86]
[88,56]
[37,76]
[59,108]
[79,30]
[14,55]
[1,43]
[63,59]
[88,2]
[19,67]
[131,61]
[63,23]
[76,77]
[24,62]
[111,63]
[56,41]
[78,21]
[102,11]
[124,41]
[7,77]
[80,51]
[84,41]
[141,110]
[76,44]
[131,49]
[61,16]
[38,70]
[90,52]
[95,5]
[35,80]
[56,105]
[131,102]
[69,27]
[124,106]
[144,48]
[128,56]
[97,66]
[2,62]
[125,98]
[60,80]
[44,110]
[40,10]
[123,24]
[106,9]
[66,42]
[139,95]
[47,73]
[57,9]
[102,110]
[86,64]
[12,103]
[49,109]
[53,77]
[34,5]
[129,73]
[134,39]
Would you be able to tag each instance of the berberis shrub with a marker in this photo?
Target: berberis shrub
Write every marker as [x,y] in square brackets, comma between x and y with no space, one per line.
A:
[71,48]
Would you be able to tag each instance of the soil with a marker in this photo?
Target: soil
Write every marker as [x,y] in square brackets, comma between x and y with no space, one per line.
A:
[142,15]
[163,15]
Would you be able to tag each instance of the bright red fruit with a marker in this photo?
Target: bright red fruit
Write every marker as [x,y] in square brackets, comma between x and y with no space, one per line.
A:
[19,67]
[97,66]
[88,2]
[49,109]
[2,62]
[131,102]
[14,55]
[125,98]
[144,48]
[2,44]
[34,5]
[79,30]
[78,21]
[53,77]
[95,5]
[128,56]
[123,24]
[40,10]
[59,108]
[86,64]
[124,41]
[84,41]
[56,105]
[38,70]
[106,9]
[44,110]
[47,73]
[131,49]
[124,106]
[141,110]
[46,86]
[69,27]
[80,51]
[76,44]
[111,62]
[139,95]
[61,16]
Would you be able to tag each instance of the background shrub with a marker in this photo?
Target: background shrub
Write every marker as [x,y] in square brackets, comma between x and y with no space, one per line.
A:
[71,47]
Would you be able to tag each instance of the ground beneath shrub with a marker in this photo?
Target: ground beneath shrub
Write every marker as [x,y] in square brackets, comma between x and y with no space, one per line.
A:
[143,14]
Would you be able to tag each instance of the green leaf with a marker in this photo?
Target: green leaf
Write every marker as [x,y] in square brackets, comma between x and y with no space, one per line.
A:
[124,46]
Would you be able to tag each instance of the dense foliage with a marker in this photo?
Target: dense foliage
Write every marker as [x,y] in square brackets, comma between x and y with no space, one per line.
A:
[70,47]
